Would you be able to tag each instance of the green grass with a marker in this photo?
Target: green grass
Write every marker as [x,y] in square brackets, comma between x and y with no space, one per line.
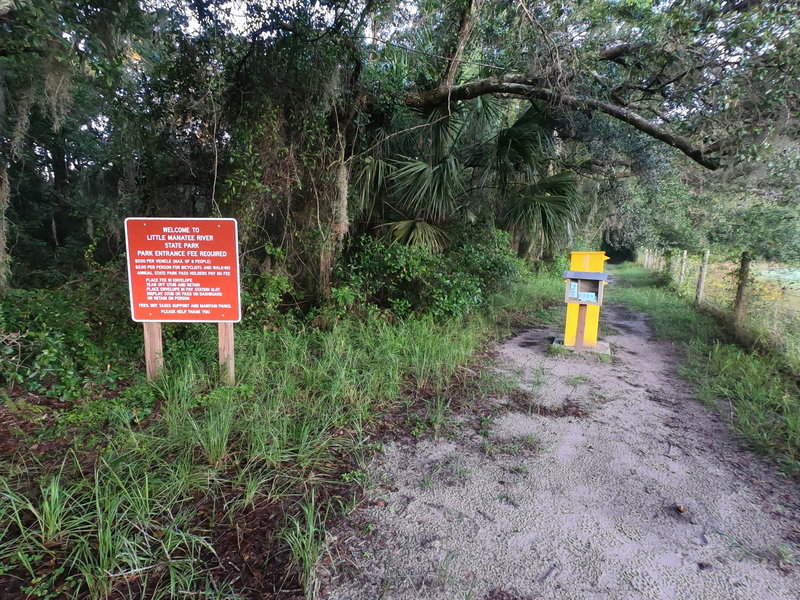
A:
[755,391]
[671,316]
[138,520]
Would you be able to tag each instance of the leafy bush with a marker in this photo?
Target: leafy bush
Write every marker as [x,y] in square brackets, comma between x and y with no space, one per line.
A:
[59,341]
[488,256]
[410,279]
[261,295]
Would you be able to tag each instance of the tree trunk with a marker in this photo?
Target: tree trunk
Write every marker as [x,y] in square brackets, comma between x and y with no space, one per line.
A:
[524,246]
[682,275]
[701,279]
[468,19]
[60,185]
[340,221]
[5,196]
[741,290]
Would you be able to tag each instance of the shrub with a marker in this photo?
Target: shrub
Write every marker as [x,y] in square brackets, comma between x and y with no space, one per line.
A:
[261,296]
[408,279]
[57,342]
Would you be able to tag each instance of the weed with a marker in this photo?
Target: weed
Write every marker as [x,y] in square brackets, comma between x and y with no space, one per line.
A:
[214,430]
[437,411]
[462,472]
[357,476]
[490,448]
[576,381]
[306,539]
[508,500]
[512,447]
[559,350]
[785,555]
[368,528]
[538,377]
[447,574]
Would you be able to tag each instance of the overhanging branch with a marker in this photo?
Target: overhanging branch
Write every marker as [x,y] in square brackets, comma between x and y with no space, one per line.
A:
[522,87]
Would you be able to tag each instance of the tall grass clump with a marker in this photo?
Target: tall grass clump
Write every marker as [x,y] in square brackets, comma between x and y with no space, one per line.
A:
[764,407]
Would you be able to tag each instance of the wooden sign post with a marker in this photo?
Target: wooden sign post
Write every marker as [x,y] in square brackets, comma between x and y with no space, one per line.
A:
[184,271]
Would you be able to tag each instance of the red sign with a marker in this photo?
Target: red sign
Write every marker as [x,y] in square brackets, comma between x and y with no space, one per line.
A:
[183,269]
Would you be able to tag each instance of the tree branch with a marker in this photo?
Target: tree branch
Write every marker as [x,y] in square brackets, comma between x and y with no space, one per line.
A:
[468,19]
[522,87]
[618,52]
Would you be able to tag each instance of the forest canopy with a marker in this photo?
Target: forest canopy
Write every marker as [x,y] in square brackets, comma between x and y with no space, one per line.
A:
[426,124]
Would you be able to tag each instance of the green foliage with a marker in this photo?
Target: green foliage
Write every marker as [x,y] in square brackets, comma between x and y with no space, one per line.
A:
[261,296]
[306,538]
[765,229]
[124,518]
[414,279]
[56,341]
[765,404]
[671,316]
[113,410]
[479,163]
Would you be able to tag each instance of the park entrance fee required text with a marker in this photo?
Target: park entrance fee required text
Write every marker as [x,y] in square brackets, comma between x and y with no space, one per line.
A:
[184,270]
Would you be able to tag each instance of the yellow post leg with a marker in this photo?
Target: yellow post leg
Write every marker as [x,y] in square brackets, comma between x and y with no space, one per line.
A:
[570,331]
[590,330]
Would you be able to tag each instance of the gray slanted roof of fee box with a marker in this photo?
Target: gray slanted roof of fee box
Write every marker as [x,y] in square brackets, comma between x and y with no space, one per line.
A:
[585,275]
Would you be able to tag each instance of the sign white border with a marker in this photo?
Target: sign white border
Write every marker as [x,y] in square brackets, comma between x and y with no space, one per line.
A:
[238,273]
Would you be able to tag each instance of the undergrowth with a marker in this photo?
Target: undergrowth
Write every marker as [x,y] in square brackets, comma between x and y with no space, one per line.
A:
[144,516]
[758,392]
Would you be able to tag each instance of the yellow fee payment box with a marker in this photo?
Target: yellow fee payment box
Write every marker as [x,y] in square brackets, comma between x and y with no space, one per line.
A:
[584,294]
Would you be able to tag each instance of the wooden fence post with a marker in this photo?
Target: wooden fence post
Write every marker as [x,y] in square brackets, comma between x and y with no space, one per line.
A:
[741,289]
[226,361]
[682,275]
[701,279]
[153,350]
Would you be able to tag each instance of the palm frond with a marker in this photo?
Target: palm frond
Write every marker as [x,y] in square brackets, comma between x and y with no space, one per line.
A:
[546,208]
[416,232]
[427,190]
[371,183]
[527,145]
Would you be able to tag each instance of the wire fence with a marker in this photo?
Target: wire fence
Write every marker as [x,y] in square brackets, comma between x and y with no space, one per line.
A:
[771,306]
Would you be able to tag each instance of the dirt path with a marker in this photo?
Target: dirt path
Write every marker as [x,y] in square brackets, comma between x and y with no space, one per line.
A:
[633,491]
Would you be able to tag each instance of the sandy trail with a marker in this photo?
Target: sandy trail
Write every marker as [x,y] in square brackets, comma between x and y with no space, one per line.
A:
[577,505]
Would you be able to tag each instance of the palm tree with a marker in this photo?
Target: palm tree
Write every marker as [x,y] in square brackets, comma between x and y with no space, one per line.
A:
[440,167]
